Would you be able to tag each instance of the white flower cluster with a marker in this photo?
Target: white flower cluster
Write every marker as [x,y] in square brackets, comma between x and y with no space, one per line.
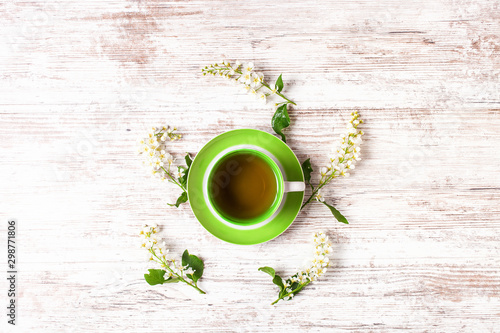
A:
[244,74]
[159,253]
[157,160]
[318,266]
[344,158]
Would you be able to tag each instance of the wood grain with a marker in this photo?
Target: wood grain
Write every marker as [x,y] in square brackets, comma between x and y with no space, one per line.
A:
[81,81]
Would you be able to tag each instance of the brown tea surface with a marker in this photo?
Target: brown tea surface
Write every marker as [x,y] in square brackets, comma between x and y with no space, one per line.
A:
[243,186]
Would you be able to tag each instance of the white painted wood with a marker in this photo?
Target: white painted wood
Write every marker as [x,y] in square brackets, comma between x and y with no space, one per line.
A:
[81,81]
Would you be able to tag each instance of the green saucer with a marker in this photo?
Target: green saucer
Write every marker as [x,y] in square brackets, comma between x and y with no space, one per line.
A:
[292,201]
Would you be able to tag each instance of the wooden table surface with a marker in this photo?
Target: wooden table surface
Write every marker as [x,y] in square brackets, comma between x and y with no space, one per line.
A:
[81,81]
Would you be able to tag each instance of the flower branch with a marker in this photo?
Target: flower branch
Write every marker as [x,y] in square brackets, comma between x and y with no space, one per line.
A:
[341,163]
[254,83]
[160,163]
[189,271]
[318,266]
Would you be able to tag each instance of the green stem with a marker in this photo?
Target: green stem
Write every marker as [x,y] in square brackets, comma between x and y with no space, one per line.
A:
[300,287]
[312,196]
[173,180]
[196,287]
[278,93]
[318,188]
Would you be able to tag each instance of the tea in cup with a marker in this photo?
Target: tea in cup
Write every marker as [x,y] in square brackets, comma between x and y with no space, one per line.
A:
[245,185]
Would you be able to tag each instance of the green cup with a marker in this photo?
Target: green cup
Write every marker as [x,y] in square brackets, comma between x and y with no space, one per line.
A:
[282,186]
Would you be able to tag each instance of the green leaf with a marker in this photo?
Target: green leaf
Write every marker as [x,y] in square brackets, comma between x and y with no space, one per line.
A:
[188,160]
[155,276]
[185,258]
[180,200]
[280,121]
[337,214]
[307,169]
[277,280]
[299,288]
[190,260]
[183,179]
[279,84]
[268,270]
[198,267]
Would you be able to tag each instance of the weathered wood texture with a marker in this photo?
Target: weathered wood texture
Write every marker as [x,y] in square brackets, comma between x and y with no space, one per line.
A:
[81,81]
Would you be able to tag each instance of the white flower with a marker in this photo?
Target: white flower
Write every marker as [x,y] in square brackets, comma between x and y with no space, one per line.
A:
[327,247]
[319,197]
[162,154]
[152,142]
[248,67]
[176,269]
[256,79]
[160,247]
[152,154]
[320,260]
[262,97]
[169,159]
[303,278]
[320,238]
[148,244]
[246,78]
[260,76]
[158,163]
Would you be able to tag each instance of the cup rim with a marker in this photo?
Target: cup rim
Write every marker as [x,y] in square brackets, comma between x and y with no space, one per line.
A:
[277,204]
